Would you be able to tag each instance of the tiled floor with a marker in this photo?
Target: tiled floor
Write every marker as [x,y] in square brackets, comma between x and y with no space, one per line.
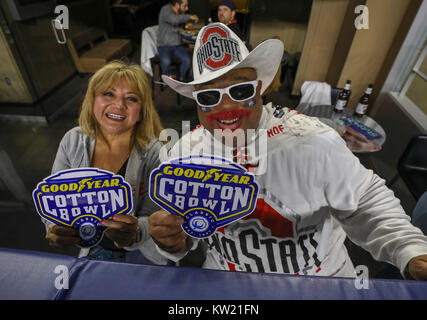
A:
[27,151]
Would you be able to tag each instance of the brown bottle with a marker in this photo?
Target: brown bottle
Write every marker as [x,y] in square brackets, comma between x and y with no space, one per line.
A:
[343,98]
[363,104]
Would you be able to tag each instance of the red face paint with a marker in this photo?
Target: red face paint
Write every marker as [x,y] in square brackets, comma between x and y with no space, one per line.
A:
[228,115]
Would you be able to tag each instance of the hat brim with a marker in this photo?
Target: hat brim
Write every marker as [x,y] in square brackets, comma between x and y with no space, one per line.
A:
[265,59]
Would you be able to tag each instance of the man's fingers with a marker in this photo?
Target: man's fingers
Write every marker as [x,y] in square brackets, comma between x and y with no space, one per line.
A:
[163,218]
[418,268]
[173,243]
[119,238]
[163,231]
[119,235]
[166,231]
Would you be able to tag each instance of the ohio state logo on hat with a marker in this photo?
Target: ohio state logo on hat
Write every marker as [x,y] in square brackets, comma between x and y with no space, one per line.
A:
[217,49]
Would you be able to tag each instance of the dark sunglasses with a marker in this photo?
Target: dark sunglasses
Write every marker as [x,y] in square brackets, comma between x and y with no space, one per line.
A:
[237,92]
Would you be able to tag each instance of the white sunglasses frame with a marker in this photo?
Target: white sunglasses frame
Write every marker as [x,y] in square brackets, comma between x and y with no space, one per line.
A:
[227,91]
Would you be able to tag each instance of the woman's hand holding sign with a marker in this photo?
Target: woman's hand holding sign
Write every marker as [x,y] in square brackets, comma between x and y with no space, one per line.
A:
[166,231]
[61,236]
[122,229]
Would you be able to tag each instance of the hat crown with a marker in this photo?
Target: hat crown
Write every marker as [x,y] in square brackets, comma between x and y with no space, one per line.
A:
[219,50]
[228,3]
[217,47]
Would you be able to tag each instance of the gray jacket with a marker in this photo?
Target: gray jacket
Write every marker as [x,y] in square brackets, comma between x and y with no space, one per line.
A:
[76,150]
[169,26]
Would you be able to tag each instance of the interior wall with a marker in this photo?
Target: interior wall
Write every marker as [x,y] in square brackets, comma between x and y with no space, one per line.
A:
[335,51]
[292,34]
[42,61]
[370,47]
[286,19]
[322,34]
[12,84]
[417,92]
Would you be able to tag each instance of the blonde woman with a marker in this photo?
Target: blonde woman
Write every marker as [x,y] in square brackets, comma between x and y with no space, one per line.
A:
[118,130]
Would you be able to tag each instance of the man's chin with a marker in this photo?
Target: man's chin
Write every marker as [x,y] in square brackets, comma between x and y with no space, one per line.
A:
[232,138]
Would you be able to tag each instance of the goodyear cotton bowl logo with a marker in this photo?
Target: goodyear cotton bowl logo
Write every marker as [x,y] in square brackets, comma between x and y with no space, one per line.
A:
[81,199]
[207,196]
[216,49]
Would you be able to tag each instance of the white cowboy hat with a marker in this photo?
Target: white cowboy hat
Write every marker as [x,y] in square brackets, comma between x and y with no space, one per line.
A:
[219,50]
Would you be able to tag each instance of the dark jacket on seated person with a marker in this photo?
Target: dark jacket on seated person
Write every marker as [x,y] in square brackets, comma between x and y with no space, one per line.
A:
[234,26]
[169,23]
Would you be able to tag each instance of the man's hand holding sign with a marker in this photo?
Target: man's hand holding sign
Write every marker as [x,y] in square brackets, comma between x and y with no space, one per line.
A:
[122,230]
[203,194]
[166,231]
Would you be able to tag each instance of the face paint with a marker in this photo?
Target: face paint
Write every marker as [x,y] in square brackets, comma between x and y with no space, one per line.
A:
[230,114]
[249,103]
[205,109]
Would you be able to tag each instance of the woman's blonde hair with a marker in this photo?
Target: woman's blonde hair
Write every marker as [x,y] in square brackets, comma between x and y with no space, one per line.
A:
[109,75]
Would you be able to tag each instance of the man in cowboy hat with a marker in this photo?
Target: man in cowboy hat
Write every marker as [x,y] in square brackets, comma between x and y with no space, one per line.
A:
[312,189]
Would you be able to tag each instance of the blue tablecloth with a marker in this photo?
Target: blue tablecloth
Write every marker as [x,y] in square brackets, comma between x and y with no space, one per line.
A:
[31,275]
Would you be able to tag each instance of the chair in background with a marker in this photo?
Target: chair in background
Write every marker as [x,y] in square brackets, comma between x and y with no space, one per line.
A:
[148,48]
[315,93]
[319,93]
[91,49]
[150,57]
[412,166]
[155,61]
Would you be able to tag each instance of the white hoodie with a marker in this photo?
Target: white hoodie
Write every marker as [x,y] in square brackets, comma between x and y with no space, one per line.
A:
[312,192]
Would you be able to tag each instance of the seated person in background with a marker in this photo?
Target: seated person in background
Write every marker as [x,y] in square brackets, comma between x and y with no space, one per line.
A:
[118,130]
[169,44]
[313,190]
[226,14]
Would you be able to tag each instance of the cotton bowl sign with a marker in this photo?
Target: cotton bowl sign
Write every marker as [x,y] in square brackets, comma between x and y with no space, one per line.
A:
[81,199]
[207,196]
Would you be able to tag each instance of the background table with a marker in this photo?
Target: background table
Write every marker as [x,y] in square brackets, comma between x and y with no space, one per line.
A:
[326,115]
[31,275]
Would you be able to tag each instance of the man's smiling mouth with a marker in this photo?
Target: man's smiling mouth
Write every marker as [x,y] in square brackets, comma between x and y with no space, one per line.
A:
[229,116]
[229,121]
